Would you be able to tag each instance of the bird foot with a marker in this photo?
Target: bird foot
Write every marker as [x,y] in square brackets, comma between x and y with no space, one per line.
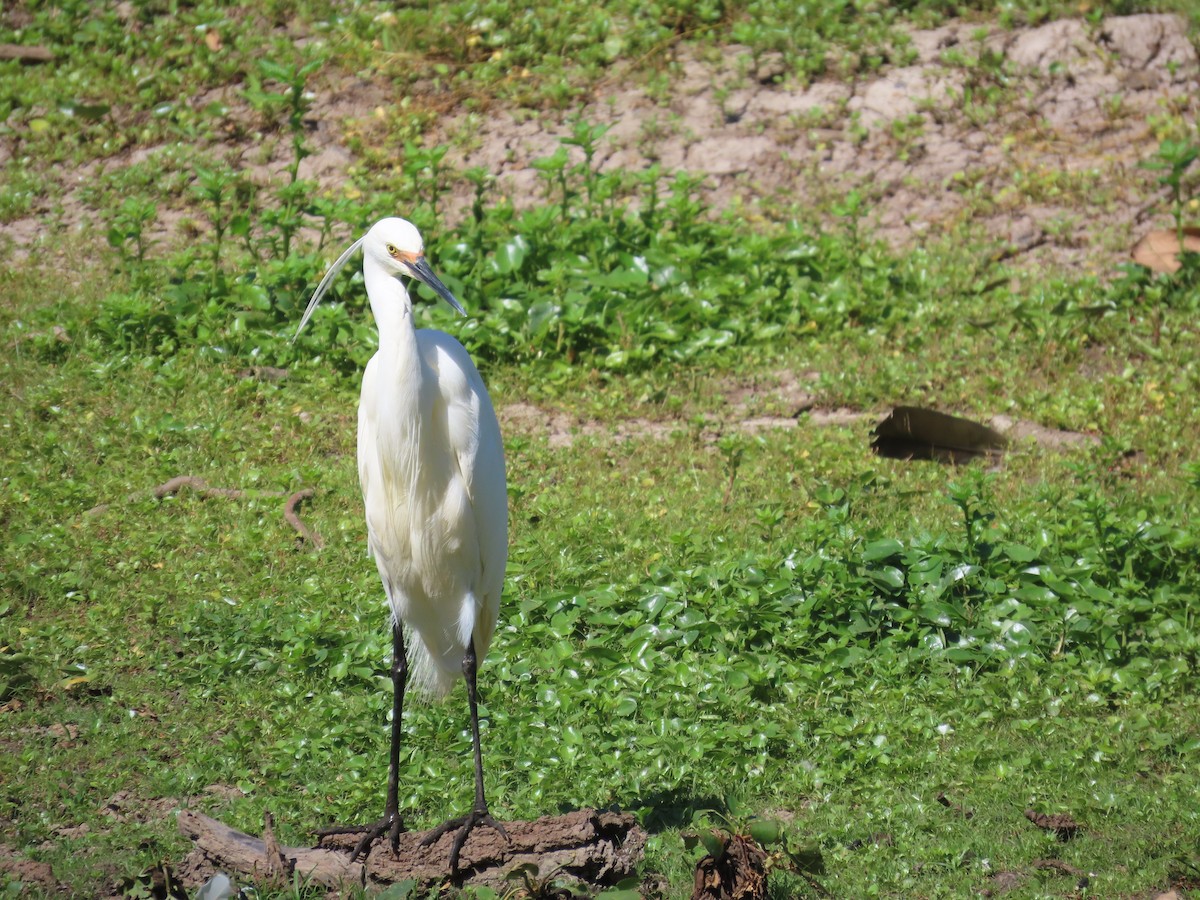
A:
[465,825]
[391,825]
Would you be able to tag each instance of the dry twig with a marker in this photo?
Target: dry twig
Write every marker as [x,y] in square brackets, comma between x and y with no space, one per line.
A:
[174,485]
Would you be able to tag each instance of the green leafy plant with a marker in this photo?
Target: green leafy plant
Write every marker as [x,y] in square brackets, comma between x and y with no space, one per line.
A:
[16,674]
[742,838]
[216,187]
[282,220]
[1173,159]
[127,233]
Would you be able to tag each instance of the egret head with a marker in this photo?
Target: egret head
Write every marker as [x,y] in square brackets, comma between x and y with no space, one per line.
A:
[393,246]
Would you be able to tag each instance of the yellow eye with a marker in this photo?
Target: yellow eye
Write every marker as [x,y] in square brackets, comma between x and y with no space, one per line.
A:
[392,251]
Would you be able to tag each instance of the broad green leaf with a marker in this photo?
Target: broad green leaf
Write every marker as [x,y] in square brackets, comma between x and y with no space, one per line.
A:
[882,549]
[765,831]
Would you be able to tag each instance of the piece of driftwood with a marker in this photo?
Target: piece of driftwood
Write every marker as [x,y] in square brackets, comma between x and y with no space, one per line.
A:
[598,848]
[279,865]
[293,518]
[220,848]
[1057,865]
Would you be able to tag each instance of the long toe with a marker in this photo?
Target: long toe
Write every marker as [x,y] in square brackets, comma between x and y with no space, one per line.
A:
[391,825]
[465,825]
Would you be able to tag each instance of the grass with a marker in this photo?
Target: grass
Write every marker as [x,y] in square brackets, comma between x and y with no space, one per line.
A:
[82,107]
[240,662]
[701,623]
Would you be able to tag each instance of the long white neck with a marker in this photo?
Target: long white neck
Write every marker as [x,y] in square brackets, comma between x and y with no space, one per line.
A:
[392,308]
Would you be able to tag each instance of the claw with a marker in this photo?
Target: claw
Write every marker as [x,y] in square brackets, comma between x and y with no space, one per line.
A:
[391,825]
[465,825]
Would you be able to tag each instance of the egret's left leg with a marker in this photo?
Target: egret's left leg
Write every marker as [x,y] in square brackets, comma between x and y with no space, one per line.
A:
[479,815]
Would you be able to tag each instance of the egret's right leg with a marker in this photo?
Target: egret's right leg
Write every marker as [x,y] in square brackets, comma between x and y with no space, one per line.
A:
[391,823]
[479,814]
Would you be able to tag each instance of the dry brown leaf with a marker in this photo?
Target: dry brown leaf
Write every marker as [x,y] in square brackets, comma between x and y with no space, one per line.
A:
[213,40]
[1158,251]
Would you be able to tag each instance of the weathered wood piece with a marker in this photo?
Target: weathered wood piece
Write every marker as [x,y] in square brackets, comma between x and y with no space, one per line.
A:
[599,848]
[220,848]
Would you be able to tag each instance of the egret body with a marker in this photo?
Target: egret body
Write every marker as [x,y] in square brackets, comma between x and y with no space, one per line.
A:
[431,464]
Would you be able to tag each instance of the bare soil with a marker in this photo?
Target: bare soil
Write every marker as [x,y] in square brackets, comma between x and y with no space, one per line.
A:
[1037,145]
[1031,138]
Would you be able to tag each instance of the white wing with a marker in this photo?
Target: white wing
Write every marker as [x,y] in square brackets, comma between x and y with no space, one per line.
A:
[431,463]
[478,450]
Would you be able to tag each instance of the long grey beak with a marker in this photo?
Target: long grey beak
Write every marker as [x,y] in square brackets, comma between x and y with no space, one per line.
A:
[421,271]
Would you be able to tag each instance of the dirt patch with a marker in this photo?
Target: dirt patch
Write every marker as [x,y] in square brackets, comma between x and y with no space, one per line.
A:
[1028,137]
[1061,825]
[32,874]
[1065,105]
[1032,135]
[779,400]
[126,806]
[562,431]
[783,392]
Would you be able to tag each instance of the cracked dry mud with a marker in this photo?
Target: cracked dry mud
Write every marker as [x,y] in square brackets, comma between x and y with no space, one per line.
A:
[1037,146]
[1030,137]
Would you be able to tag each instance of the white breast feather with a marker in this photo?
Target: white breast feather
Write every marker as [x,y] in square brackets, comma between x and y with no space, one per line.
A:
[436,507]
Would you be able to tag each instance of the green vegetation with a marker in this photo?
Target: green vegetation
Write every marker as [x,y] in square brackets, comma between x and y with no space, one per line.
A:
[183,58]
[703,624]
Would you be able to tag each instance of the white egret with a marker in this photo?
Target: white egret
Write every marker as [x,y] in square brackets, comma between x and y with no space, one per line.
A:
[431,464]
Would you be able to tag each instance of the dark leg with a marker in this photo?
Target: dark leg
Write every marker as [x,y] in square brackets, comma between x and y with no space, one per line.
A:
[390,824]
[479,815]
[391,810]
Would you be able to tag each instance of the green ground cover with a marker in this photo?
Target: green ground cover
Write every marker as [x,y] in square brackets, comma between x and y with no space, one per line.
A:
[702,624]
